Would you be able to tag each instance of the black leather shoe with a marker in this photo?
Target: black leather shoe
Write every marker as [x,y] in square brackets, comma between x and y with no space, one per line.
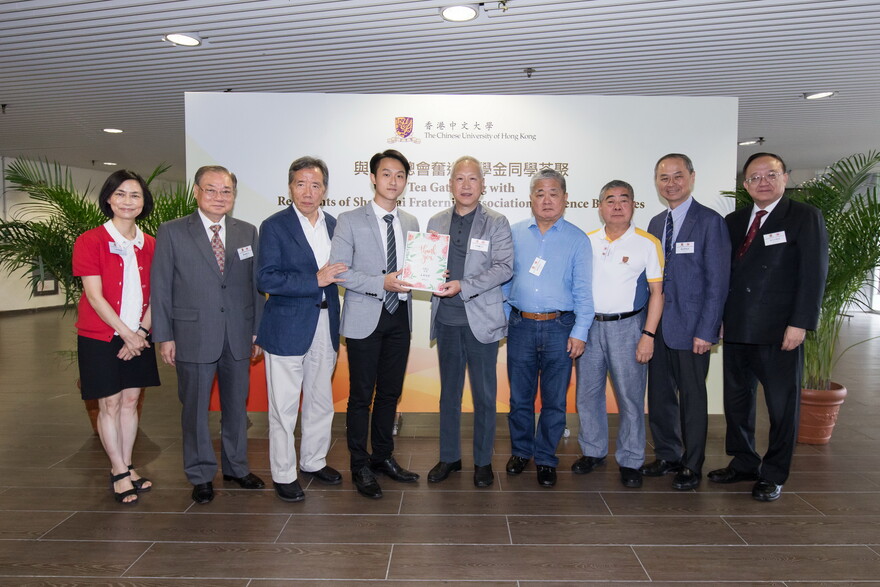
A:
[515,465]
[392,469]
[685,479]
[203,492]
[766,490]
[483,475]
[442,470]
[327,475]
[584,465]
[249,481]
[660,467]
[289,491]
[366,483]
[630,477]
[546,476]
[730,475]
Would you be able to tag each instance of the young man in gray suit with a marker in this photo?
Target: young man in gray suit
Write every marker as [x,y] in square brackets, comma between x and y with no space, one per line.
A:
[206,310]
[376,319]
[467,318]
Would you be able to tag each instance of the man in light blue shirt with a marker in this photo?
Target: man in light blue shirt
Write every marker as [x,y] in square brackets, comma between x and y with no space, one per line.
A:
[550,305]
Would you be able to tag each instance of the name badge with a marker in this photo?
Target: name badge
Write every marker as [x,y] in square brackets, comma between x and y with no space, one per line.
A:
[537,266]
[116,249]
[245,253]
[479,245]
[774,238]
[684,248]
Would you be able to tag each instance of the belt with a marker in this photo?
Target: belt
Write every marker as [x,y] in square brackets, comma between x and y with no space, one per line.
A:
[541,316]
[613,317]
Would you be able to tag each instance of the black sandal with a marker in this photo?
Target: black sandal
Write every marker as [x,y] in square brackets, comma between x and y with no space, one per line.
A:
[120,497]
[139,483]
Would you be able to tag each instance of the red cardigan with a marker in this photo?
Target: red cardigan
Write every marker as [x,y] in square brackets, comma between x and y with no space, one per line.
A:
[92,256]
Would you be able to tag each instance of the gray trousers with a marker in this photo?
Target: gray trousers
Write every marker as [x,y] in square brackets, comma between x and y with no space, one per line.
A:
[457,350]
[194,381]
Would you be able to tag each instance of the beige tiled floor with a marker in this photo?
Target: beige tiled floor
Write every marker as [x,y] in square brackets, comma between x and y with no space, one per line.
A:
[60,526]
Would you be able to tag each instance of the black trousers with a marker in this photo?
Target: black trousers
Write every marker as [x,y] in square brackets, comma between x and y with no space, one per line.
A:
[376,363]
[677,403]
[779,373]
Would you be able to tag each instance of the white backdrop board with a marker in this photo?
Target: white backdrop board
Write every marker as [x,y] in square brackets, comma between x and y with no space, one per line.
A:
[590,139]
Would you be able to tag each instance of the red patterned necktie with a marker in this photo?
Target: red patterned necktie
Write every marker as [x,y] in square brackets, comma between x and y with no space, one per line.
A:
[750,236]
[217,246]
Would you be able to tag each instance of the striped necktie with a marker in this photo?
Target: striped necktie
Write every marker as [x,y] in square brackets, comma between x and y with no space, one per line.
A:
[391,299]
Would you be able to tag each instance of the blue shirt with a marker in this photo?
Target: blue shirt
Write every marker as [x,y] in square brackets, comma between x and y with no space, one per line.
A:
[565,280]
[678,214]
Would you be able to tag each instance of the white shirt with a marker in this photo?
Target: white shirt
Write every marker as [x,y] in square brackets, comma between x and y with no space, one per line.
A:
[132,294]
[399,241]
[318,237]
[208,224]
[622,269]
[755,209]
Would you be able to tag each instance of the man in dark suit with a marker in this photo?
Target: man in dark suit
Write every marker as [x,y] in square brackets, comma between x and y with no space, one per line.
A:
[206,310]
[299,332]
[780,262]
[695,279]
[376,320]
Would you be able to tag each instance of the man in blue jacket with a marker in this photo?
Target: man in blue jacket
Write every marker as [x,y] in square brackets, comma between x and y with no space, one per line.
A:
[696,272]
[300,335]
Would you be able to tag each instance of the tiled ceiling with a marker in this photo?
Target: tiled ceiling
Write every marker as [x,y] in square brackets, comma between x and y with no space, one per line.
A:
[70,68]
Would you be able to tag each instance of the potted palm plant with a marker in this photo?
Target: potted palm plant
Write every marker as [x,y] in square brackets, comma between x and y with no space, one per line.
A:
[38,240]
[852,217]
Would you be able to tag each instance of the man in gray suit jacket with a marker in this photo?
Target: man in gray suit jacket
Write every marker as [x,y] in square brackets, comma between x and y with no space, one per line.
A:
[695,277]
[467,318]
[376,319]
[206,310]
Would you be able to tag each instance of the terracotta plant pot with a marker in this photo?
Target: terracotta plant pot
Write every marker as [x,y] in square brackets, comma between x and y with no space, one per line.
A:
[819,409]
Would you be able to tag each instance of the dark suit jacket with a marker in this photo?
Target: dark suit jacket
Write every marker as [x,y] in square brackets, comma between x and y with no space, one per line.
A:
[286,271]
[776,286]
[195,305]
[696,283]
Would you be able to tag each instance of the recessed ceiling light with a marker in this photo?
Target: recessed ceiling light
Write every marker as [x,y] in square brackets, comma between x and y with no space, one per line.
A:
[751,141]
[113,131]
[818,95]
[460,12]
[110,163]
[183,39]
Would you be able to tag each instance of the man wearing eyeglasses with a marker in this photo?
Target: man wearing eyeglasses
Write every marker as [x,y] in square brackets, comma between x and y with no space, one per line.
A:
[695,279]
[778,270]
[206,310]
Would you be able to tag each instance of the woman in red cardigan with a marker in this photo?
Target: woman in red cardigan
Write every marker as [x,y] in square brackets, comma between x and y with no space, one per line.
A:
[115,357]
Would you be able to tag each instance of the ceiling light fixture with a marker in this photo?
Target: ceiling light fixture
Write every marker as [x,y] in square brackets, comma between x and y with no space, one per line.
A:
[110,163]
[818,95]
[751,141]
[113,131]
[183,39]
[460,12]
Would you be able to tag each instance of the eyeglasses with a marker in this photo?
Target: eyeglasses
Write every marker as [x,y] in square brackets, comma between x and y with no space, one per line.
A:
[217,194]
[770,177]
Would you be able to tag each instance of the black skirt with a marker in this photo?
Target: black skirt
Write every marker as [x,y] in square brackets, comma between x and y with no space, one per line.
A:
[103,374]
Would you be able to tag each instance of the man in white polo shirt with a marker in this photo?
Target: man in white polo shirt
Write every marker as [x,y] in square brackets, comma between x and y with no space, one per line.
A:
[628,299]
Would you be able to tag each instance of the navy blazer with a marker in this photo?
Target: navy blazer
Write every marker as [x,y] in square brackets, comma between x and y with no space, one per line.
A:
[286,270]
[778,285]
[695,284]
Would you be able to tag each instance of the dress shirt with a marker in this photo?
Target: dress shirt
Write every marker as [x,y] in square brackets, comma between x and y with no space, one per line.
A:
[564,283]
[754,213]
[451,310]
[678,214]
[318,237]
[208,224]
[399,237]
